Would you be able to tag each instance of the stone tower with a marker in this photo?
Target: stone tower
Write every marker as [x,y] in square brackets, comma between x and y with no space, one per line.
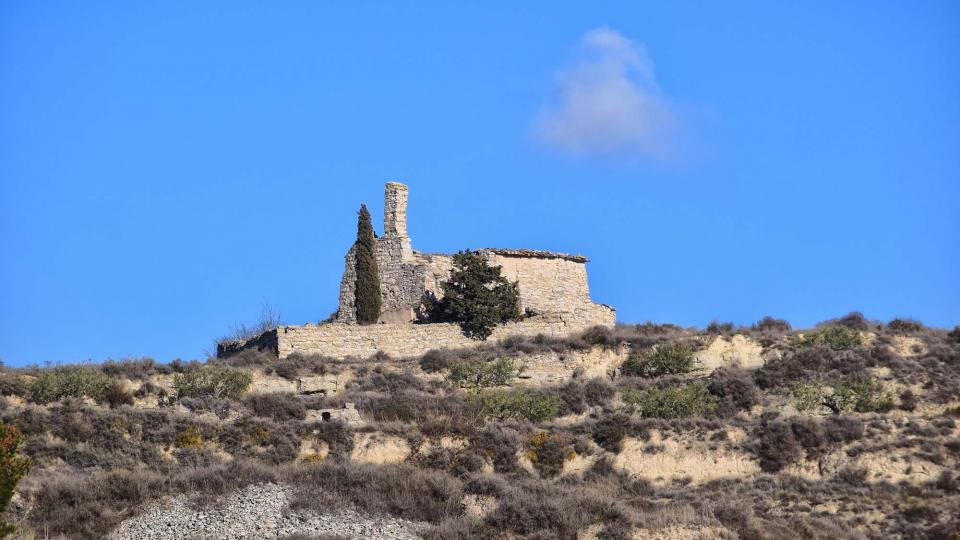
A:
[395,240]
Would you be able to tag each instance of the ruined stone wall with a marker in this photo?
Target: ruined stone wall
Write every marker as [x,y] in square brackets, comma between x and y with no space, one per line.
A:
[339,340]
[546,284]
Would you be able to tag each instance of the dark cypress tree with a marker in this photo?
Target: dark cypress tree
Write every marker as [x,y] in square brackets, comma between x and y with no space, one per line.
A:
[367,287]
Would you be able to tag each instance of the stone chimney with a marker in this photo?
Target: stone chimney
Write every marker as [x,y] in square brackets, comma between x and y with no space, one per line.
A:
[395,210]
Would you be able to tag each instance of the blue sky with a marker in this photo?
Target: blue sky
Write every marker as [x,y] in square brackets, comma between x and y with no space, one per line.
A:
[166,169]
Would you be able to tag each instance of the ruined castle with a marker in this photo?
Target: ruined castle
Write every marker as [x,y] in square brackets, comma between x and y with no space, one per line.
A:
[553,290]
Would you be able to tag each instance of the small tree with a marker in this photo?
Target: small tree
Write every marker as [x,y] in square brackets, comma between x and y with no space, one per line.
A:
[212,381]
[476,296]
[664,359]
[477,376]
[367,286]
[13,467]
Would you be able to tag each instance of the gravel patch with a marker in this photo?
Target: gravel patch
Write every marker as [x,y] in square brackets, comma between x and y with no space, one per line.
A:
[257,511]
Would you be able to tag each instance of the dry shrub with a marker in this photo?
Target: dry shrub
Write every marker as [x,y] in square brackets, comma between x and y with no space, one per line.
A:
[539,509]
[813,363]
[734,389]
[548,451]
[281,406]
[719,328]
[597,392]
[610,430]
[905,326]
[117,394]
[778,446]
[435,360]
[337,435]
[854,320]
[397,490]
[769,325]
[135,369]
[499,444]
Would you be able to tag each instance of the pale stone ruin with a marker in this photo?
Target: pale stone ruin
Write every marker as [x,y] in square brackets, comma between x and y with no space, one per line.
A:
[553,291]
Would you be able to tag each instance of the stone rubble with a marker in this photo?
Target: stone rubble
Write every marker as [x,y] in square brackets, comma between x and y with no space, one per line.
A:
[257,511]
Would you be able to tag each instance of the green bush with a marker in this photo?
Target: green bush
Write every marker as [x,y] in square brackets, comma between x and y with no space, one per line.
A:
[691,399]
[69,381]
[807,397]
[837,337]
[866,395]
[480,375]
[477,297]
[517,404]
[13,467]
[367,286]
[212,381]
[666,359]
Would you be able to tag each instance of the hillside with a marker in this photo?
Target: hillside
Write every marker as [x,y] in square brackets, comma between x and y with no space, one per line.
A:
[846,430]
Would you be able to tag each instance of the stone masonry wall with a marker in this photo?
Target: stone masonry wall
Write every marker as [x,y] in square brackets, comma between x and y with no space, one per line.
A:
[546,285]
[340,340]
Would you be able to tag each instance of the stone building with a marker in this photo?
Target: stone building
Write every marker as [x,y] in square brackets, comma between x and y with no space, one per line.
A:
[553,288]
[549,282]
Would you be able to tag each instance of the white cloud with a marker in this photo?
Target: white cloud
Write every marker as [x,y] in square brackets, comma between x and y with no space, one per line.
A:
[608,103]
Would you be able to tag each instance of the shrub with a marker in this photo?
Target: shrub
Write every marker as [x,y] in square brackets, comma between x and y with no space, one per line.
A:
[189,438]
[610,431]
[435,360]
[838,337]
[68,381]
[807,397]
[547,451]
[734,389]
[904,326]
[955,334]
[770,325]
[908,400]
[597,391]
[517,404]
[366,290]
[280,406]
[691,399]
[12,384]
[477,297]
[659,360]
[13,467]
[399,490]
[599,336]
[212,381]
[117,394]
[133,369]
[778,446]
[479,375]
[719,328]
[854,320]
[863,395]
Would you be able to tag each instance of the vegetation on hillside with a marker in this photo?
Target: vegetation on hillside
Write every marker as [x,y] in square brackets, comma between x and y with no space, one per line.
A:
[858,441]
